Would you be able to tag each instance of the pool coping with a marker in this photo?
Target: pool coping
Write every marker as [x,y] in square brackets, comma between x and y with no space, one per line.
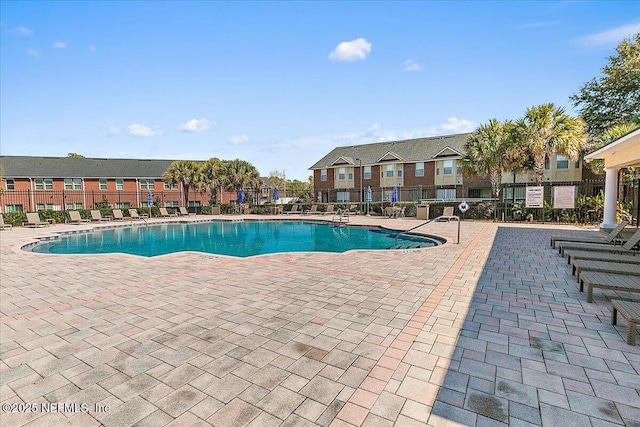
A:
[57,235]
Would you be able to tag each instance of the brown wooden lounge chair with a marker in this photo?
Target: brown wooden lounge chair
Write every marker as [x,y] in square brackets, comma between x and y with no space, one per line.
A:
[591,237]
[602,256]
[631,312]
[580,265]
[627,248]
[616,282]
[33,220]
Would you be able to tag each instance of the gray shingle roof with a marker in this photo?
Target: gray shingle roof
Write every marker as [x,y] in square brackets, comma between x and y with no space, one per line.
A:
[410,150]
[71,167]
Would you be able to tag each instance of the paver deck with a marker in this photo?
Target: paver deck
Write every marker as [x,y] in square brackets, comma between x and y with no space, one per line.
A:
[491,331]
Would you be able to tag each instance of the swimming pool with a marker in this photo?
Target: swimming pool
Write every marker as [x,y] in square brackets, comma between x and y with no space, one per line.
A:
[241,239]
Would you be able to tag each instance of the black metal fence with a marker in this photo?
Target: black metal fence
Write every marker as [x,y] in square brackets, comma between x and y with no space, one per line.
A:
[589,200]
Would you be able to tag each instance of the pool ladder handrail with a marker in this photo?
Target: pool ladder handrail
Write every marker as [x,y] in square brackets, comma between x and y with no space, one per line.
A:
[395,246]
[341,213]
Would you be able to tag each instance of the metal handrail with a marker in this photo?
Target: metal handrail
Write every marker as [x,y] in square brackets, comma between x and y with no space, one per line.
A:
[411,229]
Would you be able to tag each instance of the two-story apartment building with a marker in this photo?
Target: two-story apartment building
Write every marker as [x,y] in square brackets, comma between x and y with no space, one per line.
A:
[423,168]
[39,183]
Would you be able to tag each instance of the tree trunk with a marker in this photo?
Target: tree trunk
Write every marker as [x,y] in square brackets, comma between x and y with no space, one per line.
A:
[538,167]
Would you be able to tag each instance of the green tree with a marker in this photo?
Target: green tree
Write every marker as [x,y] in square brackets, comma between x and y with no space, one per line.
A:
[76,155]
[545,130]
[212,177]
[276,179]
[240,173]
[614,97]
[490,149]
[607,137]
[185,173]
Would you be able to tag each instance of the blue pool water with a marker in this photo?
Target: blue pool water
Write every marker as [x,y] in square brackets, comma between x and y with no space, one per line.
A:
[240,239]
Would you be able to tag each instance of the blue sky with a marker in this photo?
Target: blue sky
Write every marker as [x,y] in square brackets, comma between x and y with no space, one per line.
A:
[280,84]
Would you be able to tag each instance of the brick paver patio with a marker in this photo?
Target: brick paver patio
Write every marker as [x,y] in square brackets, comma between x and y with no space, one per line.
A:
[491,331]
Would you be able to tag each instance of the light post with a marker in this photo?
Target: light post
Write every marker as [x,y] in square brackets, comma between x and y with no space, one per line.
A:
[360,167]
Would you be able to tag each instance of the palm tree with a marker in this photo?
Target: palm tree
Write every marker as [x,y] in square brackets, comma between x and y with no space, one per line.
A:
[240,173]
[212,177]
[183,172]
[546,129]
[490,149]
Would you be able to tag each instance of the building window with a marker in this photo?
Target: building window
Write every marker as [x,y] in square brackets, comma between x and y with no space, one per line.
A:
[173,204]
[103,184]
[323,174]
[367,172]
[44,184]
[123,205]
[480,193]
[73,206]
[194,203]
[72,184]
[562,162]
[399,171]
[147,184]
[11,184]
[458,168]
[508,194]
[341,173]
[13,208]
[420,169]
[546,162]
[342,196]
[351,174]
[169,186]
[119,184]
[446,193]
[44,207]
[389,171]
[447,167]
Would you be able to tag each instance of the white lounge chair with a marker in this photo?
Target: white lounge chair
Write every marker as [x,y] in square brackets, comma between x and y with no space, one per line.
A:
[96,216]
[3,225]
[165,213]
[75,218]
[33,220]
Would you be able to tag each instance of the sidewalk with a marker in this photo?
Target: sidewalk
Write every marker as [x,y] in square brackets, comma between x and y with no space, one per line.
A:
[491,331]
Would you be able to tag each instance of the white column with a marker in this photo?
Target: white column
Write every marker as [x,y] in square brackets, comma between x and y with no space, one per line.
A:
[610,198]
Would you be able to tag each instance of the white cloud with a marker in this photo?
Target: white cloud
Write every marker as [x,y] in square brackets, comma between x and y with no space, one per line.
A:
[92,48]
[355,50]
[411,65]
[239,139]
[33,52]
[59,45]
[195,125]
[113,131]
[456,125]
[144,131]
[612,36]
[22,31]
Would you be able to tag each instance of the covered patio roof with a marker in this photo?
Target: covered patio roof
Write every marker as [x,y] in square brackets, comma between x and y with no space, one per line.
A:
[621,153]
